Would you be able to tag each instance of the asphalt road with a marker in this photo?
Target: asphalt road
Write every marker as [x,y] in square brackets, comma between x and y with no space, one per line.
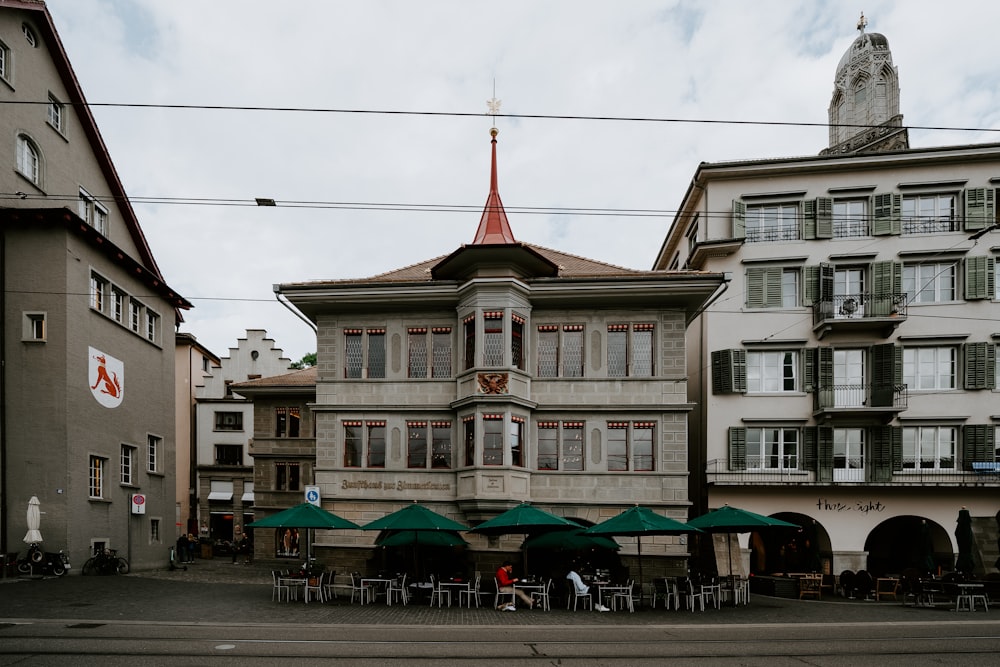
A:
[217,613]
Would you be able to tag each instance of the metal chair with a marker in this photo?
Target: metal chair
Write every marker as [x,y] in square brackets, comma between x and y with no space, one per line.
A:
[279,588]
[541,598]
[314,587]
[499,594]
[573,597]
[664,589]
[397,590]
[363,591]
[691,594]
[471,593]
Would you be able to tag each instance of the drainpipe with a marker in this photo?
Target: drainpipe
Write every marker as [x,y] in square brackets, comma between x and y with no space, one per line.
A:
[292,309]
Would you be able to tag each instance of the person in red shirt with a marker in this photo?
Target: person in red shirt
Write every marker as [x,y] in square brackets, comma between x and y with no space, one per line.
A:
[505,584]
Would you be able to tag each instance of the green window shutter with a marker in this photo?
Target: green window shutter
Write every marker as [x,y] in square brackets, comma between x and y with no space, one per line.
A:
[886,218]
[739,219]
[887,373]
[980,209]
[977,444]
[887,282]
[809,219]
[826,274]
[824,377]
[980,365]
[809,448]
[729,371]
[979,278]
[824,218]
[824,454]
[810,285]
[808,369]
[764,287]
[737,448]
[882,460]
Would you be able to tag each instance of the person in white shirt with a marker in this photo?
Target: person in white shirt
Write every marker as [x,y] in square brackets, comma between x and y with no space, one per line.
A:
[582,588]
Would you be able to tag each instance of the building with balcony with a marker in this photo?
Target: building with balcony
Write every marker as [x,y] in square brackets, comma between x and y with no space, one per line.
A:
[499,373]
[847,379]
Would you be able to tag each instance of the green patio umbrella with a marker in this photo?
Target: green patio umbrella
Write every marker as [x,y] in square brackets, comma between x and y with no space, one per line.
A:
[415,517]
[307,516]
[730,520]
[423,538]
[639,521]
[575,539]
[524,519]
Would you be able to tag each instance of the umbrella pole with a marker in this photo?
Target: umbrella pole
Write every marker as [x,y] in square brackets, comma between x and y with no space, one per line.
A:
[638,541]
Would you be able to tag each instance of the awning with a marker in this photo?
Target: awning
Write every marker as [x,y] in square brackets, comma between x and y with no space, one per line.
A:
[221,489]
[220,495]
[247,497]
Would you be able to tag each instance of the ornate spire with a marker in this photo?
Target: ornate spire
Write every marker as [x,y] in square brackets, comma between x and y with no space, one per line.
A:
[493,226]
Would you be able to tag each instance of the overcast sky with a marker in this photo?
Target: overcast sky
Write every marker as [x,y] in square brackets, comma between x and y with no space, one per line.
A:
[722,60]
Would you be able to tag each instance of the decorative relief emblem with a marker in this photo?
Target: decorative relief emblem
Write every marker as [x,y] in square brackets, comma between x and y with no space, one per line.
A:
[107,378]
[493,383]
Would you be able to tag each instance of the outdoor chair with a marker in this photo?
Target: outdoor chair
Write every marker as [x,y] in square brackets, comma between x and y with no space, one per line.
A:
[363,591]
[540,599]
[573,597]
[471,593]
[279,587]
[691,594]
[624,596]
[711,591]
[330,585]
[666,590]
[439,592]
[314,587]
[397,590]
[810,586]
[498,594]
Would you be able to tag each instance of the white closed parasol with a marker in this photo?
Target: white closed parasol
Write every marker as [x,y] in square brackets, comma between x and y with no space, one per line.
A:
[33,536]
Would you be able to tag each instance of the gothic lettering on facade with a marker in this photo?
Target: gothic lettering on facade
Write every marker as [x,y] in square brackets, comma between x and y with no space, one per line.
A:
[398,485]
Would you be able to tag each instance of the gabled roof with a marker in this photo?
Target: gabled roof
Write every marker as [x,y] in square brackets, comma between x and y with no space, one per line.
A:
[43,22]
[298,380]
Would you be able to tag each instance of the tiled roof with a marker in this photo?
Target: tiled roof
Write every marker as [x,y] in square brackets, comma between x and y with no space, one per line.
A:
[302,378]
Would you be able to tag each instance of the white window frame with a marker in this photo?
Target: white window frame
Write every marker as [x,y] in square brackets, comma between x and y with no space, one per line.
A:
[97,467]
[771,371]
[118,301]
[35,327]
[29,159]
[772,448]
[134,315]
[930,368]
[922,214]
[128,455]
[931,282]
[850,218]
[849,454]
[4,62]
[929,448]
[98,291]
[154,444]
[152,326]
[766,223]
[56,114]
[93,212]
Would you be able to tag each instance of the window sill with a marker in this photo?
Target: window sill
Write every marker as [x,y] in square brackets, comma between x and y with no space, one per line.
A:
[103,501]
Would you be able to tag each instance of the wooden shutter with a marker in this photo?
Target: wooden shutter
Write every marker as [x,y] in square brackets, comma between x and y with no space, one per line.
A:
[887,373]
[979,278]
[824,454]
[887,282]
[808,369]
[824,377]
[980,209]
[737,448]
[809,448]
[826,274]
[764,287]
[809,219]
[886,440]
[977,444]
[824,218]
[886,219]
[980,365]
[810,285]
[739,219]
[729,371]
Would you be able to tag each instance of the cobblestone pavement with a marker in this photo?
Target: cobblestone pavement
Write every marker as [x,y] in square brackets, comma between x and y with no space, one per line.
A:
[217,591]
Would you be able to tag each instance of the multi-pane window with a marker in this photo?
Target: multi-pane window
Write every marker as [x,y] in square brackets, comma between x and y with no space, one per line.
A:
[441,444]
[469,436]
[96,476]
[772,222]
[287,422]
[493,338]
[228,421]
[630,446]
[154,531]
[560,353]
[28,159]
[930,282]
[929,447]
[772,371]
[416,444]
[93,212]
[928,368]
[34,327]
[98,292]
[517,441]
[152,325]
[229,455]
[134,315]
[128,465]
[56,113]
[287,476]
[153,445]
[493,439]
[354,444]
[928,214]
[772,449]
[118,301]
[848,455]
[772,287]
[517,341]
[630,350]
[560,446]
[436,360]
[850,218]
[355,350]
[469,331]
[4,62]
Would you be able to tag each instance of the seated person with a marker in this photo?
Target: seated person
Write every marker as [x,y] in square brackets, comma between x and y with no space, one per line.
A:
[505,584]
[582,588]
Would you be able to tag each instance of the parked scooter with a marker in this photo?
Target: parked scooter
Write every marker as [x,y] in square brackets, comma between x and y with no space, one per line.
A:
[37,561]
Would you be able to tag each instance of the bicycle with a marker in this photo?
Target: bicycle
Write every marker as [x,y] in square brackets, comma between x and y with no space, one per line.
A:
[106,562]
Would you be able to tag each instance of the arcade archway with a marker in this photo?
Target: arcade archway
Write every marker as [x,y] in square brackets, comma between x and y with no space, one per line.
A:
[905,542]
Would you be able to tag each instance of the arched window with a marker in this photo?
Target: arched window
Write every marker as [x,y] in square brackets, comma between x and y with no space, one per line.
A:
[28,159]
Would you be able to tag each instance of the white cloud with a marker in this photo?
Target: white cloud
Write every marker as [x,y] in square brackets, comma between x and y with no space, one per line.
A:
[711,60]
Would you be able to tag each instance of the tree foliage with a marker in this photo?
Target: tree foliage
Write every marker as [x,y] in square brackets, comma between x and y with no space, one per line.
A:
[306,361]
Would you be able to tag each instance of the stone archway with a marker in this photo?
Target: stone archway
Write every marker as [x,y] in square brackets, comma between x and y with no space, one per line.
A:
[805,550]
[897,544]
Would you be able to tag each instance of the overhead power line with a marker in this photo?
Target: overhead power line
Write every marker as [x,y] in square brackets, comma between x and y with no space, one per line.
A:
[461,114]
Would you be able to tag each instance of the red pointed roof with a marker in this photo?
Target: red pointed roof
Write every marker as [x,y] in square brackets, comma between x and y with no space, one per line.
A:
[493,226]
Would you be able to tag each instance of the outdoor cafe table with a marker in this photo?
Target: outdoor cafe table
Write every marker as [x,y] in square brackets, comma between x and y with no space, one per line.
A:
[295,582]
[606,590]
[530,586]
[379,586]
[969,593]
[453,587]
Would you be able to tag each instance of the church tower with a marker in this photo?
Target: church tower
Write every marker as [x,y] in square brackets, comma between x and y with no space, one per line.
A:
[864,111]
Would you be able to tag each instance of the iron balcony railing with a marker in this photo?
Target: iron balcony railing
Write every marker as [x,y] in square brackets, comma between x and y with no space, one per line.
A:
[861,396]
[860,307]
[723,472]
